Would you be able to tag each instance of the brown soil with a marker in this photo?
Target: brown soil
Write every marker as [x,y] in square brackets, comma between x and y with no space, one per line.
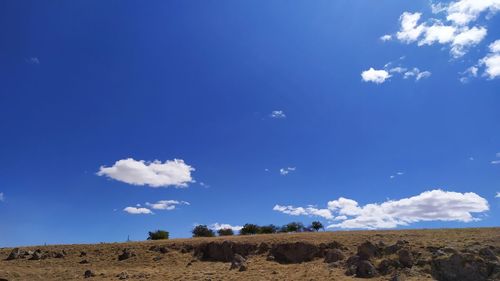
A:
[181,262]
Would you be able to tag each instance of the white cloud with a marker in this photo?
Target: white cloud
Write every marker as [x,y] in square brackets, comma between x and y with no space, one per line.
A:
[470,72]
[466,39]
[380,76]
[2,197]
[279,114]
[217,226]
[300,211]
[375,76]
[492,61]
[453,29]
[166,204]
[435,205]
[138,211]
[155,174]
[498,195]
[410,31]
[33,60]
[465,11]
[415,72]
[386,37]
[286,171]
[494,162]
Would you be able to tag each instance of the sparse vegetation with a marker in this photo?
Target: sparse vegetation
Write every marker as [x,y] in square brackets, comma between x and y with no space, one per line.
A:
[225,232]
[158,235]
[268,229]
[249,229]
[202,231]
[316,225]
[295,227]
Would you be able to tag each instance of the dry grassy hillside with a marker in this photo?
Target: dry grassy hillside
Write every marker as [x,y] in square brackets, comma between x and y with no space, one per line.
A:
[446,254]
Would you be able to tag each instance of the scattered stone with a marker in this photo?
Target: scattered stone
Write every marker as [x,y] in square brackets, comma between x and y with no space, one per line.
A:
[83,254]
[488,254]
[365,269]
[126,254]
[84,262]
[88,273]
[389,250]
[464,267]
[159,249]
[238,262]
[398,277]
[387,266]
[333,255]
[297,252]
[59,255]
[405,257]
[37,255]
[123,275]
[158,258]
[367,251]
[16,253]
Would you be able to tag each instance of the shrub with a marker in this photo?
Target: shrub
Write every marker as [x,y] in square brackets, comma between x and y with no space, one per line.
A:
[225,232]
[202,231]
[158,235]
[316,225]
[267,229]
[295,227]
[249,229]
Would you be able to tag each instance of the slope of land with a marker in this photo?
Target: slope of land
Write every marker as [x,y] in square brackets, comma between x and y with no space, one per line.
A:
[444,254]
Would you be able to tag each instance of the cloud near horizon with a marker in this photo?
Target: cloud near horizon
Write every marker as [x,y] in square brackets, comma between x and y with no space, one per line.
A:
[216,226]
[434,205]
[154,174]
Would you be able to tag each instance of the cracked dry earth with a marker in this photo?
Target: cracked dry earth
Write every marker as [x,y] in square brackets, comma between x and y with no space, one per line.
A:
[443,254]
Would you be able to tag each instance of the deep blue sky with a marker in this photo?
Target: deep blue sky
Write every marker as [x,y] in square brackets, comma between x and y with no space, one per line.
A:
[86,83]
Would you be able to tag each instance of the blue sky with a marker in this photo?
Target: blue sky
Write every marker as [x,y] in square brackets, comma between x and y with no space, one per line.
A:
[276,111]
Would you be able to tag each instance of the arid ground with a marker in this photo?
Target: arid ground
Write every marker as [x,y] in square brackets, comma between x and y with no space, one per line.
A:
[445,254]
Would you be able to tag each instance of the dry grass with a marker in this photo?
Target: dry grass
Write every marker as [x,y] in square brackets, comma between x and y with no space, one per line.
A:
[175,265]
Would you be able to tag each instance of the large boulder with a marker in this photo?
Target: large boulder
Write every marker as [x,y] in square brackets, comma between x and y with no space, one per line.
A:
[462,267]
[367,251]
[294,252]
[223,251]
[16,253]
[365,269]
[333,255]
[405,257]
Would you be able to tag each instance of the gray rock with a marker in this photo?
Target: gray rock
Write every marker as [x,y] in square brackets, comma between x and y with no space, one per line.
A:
[463,267]
[16,253]
[405,257]
[333,255]
[365,269]
[367,251]
[88,274]
[126,254]
[297,252]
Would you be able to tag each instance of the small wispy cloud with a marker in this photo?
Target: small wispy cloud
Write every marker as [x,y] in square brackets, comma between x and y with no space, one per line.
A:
[32,60]
[138,211]
[278,114]
[386,37]
[2,197]
[379,76]
[397,174]
[497,161]
[167,205]
[286,171]
[498,195]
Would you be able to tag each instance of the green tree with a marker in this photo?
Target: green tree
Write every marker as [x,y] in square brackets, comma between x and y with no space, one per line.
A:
[225,232]
[249,229]
[316,225]
[268,229]
[202,231]
[158,235]
[295,227]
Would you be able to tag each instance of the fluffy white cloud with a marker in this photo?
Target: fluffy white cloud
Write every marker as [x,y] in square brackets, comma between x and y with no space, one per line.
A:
[217,226]
[2,197]
[166,204]
[375,76]
[410,29]
[492,61]
[279,114]
[498,195]
[138,211]
[286,171]
[435,205]
[456,32]
[465,11]
[300,211]
[155,174]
